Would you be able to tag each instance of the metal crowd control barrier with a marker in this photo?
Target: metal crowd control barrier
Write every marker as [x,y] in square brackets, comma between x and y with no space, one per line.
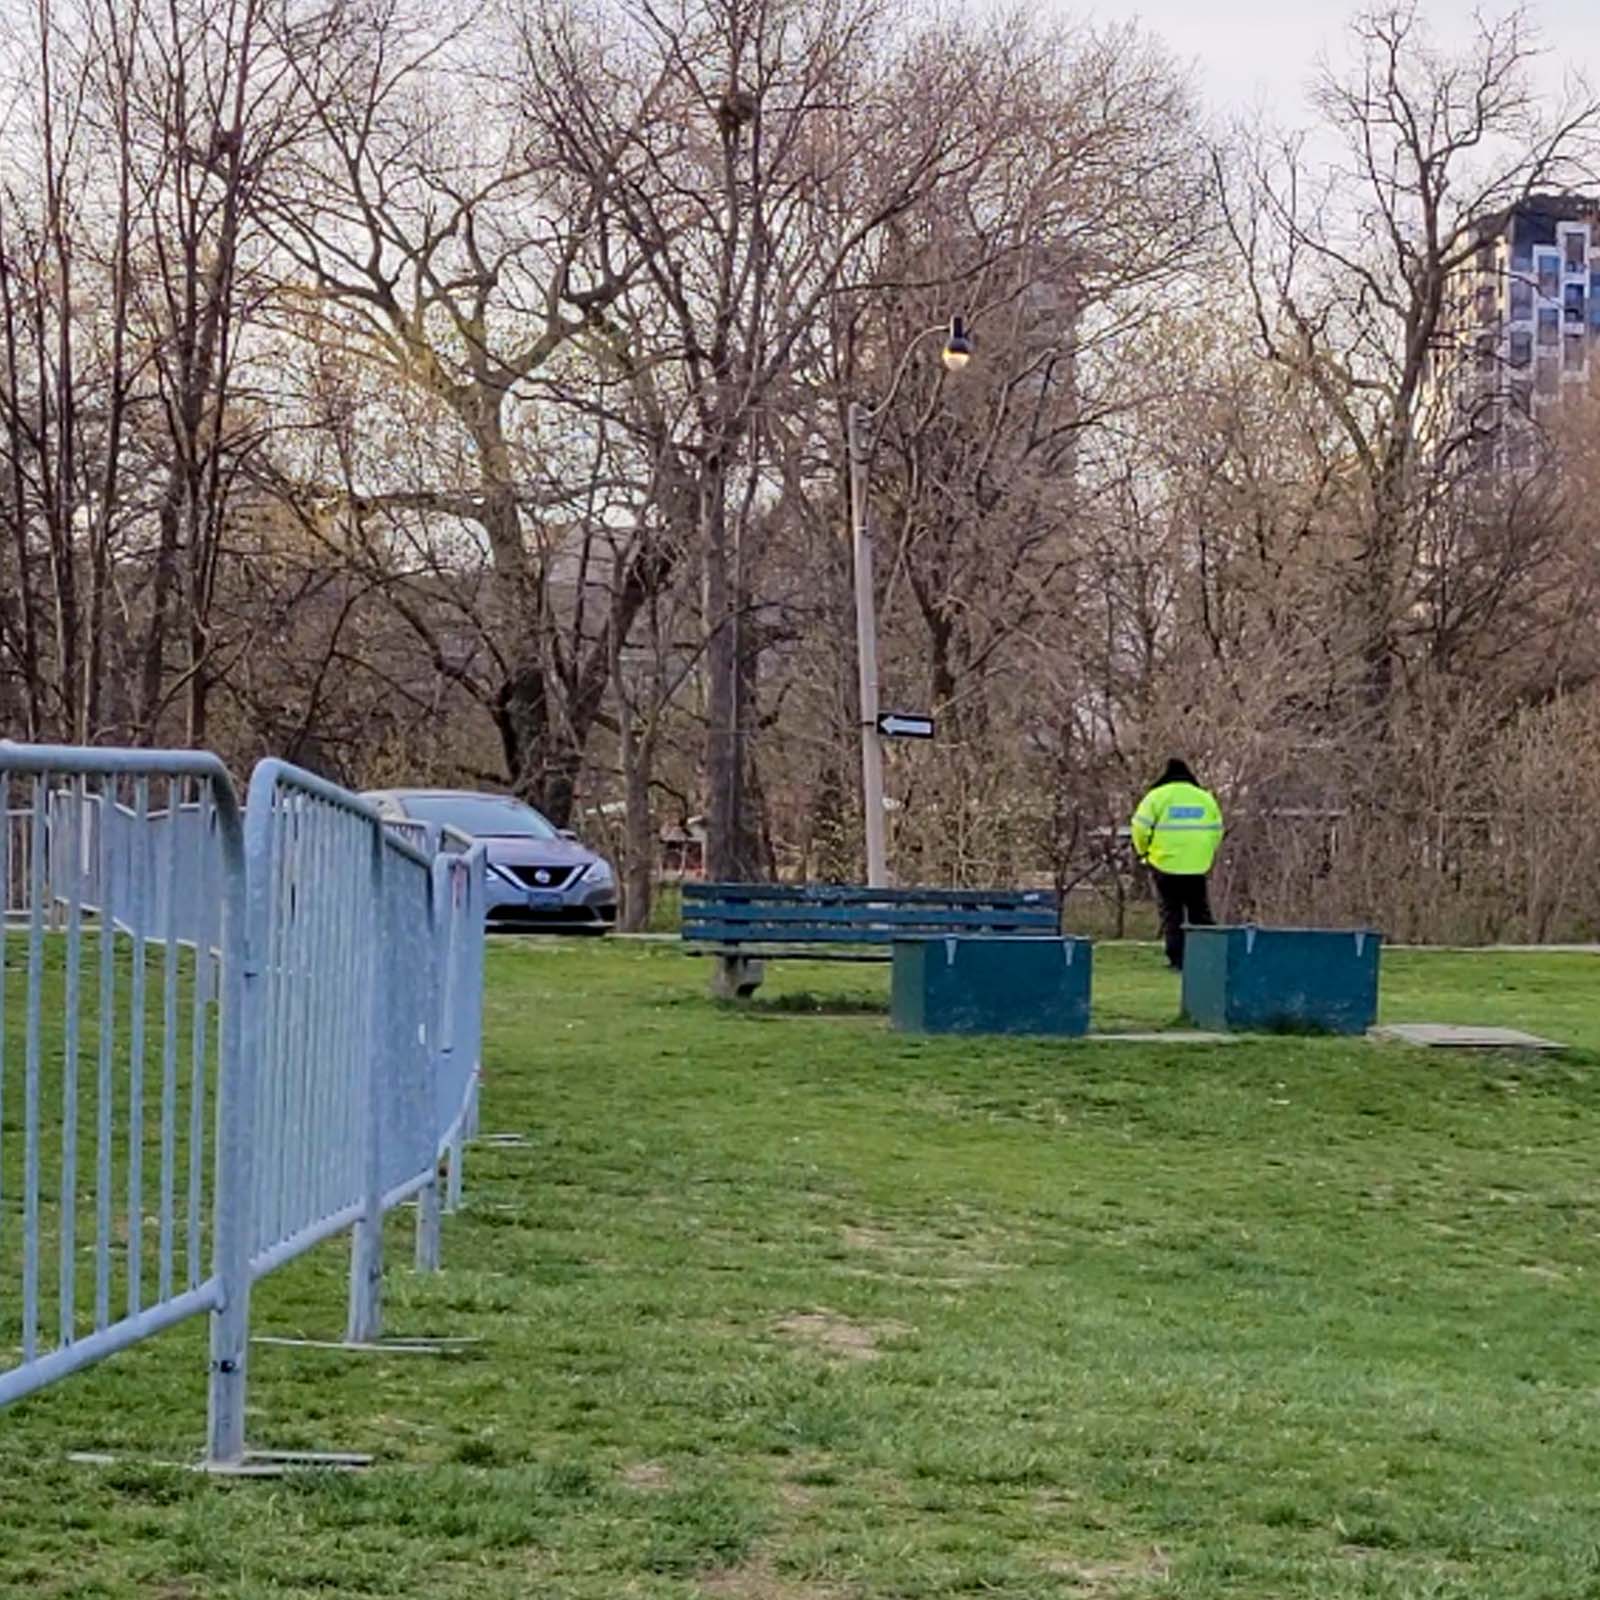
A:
[112,1043]
[223,1039]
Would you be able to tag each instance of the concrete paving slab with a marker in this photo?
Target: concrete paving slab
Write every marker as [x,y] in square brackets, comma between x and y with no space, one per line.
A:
[1445,1035]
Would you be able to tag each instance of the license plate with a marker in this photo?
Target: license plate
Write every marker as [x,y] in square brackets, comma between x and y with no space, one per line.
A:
[543,899]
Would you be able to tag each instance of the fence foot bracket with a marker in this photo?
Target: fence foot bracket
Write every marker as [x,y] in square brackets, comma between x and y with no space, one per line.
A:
[441,1345]
[276,1463]
[253,1464]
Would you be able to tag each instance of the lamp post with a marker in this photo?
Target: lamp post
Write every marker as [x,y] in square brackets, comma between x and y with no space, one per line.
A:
[858,441]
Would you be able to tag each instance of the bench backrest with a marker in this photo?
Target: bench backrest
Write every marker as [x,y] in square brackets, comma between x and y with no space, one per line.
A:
[788,913]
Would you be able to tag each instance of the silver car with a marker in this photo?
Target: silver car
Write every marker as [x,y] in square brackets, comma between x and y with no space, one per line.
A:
[539,876]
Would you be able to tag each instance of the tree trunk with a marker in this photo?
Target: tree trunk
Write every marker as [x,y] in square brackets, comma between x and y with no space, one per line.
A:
[729,858]
[152,667]
[638,881]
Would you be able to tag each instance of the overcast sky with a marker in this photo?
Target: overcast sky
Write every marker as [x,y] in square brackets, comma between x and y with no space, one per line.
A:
[1249,50]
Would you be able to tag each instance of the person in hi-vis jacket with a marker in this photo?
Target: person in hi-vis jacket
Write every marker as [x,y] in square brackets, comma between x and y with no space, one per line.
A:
[1176,831]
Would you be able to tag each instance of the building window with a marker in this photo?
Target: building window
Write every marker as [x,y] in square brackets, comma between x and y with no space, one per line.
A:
[1485,344]
[1547,376]
[1572,302]
[1549,275]
[1549,325]
[1522,397]
[1521,299]
[1577,249]
[1521,347]
[1573,355]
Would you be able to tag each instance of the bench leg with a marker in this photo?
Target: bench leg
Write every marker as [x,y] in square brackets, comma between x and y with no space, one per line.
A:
[737,977]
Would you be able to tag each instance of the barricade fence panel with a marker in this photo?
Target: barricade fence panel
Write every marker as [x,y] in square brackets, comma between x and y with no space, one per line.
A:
[313,938]
[110,1042]
[223,1038]
[412,984]
[459,899]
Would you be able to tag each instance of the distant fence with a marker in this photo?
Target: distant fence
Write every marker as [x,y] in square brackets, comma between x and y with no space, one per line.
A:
[224,1037]
[125,848]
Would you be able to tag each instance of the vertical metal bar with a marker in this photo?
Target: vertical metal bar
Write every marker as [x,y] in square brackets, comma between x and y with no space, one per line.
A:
[66,1284]
[105,1085]
[464,1043]
[245,886]
[52,909]
[366,1248]
[322,1062]
[142,880]
[30,1093]
[269,1124]
[199,1024]
[341,1162]
[446,1067]
[437,1073]
[285,914]
[300,1064]
[286,1065]
[471,933]
[169,1042]
[474,1018]
[428,1226]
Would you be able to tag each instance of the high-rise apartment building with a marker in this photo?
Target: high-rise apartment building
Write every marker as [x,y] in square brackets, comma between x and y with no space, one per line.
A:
[1521,326]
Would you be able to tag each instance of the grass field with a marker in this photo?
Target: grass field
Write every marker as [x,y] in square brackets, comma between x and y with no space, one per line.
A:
[777,1305]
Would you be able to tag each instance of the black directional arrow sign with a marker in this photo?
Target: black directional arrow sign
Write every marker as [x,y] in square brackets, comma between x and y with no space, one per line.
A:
[905,725]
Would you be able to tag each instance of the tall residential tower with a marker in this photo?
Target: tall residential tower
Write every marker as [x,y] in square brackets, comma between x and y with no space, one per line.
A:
[1522,322]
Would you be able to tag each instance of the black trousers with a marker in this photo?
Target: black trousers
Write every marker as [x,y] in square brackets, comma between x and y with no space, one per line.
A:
[1183,900]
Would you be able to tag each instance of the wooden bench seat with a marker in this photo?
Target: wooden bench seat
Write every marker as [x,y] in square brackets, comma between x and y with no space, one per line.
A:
[744,925]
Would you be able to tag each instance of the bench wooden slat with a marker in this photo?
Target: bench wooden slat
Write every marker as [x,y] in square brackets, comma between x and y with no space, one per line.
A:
[855,918]
[750,932]
[827,894]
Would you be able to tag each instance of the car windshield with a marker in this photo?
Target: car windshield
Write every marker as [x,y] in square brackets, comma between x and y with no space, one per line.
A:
[484,816]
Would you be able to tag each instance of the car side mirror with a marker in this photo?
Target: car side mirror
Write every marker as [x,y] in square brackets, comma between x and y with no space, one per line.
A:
[567,833]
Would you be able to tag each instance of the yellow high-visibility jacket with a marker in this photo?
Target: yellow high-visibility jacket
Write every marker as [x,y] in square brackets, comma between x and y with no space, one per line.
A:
[1177,828]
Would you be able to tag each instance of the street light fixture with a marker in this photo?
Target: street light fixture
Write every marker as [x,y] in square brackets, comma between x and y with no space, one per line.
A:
[957,352]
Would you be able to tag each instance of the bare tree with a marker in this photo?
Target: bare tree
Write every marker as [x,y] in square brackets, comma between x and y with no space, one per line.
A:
[1349,270]
[135,142]
[737,140]
[449,256]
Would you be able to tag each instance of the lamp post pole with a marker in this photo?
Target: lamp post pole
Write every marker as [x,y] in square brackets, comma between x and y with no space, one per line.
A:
[858,448]
[858,423]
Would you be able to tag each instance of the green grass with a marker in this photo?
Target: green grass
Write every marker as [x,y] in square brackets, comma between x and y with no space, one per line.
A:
[777,1304]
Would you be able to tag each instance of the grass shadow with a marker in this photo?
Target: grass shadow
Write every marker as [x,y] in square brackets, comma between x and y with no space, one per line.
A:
[807,1003]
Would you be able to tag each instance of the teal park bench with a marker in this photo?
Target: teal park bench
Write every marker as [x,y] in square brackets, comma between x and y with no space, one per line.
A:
[745,925]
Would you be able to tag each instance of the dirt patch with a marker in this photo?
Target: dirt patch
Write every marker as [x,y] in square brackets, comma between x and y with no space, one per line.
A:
[867,1238]
[1103,1580]
[795,1496]
[756,1580]
[1050,1502]
[933,1260]
[837,1336]
[1539,1270]
[648,1476]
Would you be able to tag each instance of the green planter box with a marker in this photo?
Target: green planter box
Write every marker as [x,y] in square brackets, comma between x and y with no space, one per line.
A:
[991,985]
[1271,979]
